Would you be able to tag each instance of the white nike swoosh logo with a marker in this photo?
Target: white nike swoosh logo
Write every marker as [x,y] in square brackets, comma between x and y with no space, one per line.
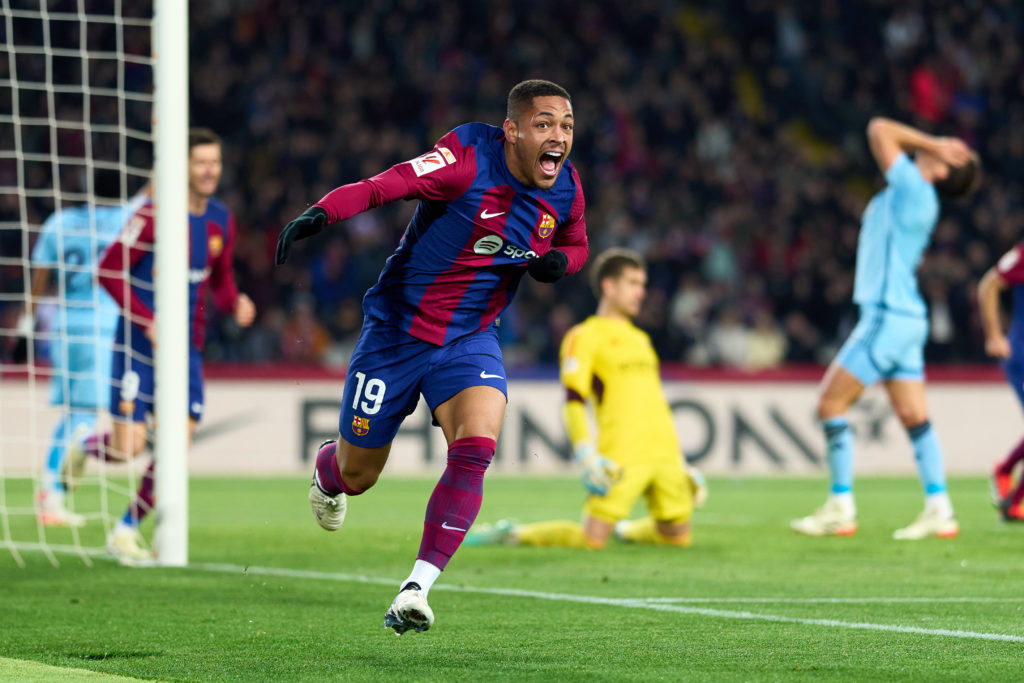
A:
[485,214]
[444,525]
[484,375]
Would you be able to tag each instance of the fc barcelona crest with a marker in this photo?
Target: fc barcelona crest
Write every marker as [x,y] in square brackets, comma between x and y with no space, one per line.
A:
[360,425]
[546,225]
[216,245]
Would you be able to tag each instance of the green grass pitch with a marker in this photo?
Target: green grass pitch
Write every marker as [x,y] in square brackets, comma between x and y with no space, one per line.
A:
[270,597]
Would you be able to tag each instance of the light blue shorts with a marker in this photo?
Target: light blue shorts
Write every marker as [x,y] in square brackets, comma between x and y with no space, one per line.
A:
[81,370]
[885,345]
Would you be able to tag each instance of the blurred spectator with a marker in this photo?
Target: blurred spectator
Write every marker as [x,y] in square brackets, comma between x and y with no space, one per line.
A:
[724,139]
[766,344]
[303,338]
[729,339]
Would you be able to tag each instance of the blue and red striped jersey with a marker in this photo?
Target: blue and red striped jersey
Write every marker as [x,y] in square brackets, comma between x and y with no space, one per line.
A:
[126,268]
[1011,268]
[467,246]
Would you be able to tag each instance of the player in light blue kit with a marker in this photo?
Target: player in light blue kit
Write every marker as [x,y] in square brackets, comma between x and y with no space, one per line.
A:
[83,328]
[888,342]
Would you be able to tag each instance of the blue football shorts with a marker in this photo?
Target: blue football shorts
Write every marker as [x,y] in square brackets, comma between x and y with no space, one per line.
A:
[885,345]
[81,370]
[390,369]
[133,377]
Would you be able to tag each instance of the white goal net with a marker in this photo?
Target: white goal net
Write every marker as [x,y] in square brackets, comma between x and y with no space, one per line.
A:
[76,143]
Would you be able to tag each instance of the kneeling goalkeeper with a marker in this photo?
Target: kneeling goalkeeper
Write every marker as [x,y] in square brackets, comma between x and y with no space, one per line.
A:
[609,363]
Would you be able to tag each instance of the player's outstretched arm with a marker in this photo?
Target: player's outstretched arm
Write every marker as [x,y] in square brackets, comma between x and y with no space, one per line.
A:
[989,288]
[888,139]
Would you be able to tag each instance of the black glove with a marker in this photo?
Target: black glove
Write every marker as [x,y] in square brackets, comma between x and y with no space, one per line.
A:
[308,224]
[549,267]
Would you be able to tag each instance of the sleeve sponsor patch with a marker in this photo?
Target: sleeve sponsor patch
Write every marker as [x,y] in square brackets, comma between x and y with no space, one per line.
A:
[429,162]
[447,153]
[1009,260]
[130,234]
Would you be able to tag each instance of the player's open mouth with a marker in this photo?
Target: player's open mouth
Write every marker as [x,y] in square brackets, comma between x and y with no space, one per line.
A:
[550,162]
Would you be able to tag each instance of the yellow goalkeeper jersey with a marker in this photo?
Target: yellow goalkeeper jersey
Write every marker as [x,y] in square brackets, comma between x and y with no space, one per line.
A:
[610,364]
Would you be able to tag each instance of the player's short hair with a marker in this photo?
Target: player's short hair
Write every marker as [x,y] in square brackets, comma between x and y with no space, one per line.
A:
[202,136]
[521,95]
[962,181]
[610,263]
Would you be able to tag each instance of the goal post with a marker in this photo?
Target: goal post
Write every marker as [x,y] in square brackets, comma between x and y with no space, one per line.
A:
[170,42]
[87,88]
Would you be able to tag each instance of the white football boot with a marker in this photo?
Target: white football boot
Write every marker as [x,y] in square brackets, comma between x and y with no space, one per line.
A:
[124,544]
[409,610]
[329,510]
[50,510]
[831,519]
[929,523]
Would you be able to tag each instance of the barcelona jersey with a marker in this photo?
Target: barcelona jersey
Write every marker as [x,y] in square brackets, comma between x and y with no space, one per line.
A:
[472,234]
[126,269]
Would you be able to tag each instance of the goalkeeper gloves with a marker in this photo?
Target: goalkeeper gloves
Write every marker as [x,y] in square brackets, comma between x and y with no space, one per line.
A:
[308,224]
[599,473]
[549,267]
[698,486]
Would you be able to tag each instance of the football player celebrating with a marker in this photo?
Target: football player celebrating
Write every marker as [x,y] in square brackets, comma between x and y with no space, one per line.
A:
[494,204]
[126,272]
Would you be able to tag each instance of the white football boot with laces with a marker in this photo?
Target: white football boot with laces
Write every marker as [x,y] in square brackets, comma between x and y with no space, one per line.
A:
[409,610]
[928,524]
[329,510]
[831,519]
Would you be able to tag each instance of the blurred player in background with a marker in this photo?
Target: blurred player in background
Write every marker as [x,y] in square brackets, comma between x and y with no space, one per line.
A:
[495,203]
[126,272]
[1007,272]
[83,328]
[888,342]
[610,363]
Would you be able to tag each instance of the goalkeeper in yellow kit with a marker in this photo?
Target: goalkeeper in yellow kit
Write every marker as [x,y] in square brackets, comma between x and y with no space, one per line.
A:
[609,363]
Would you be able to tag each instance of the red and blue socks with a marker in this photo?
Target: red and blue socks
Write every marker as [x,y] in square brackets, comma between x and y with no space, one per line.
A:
[456,500]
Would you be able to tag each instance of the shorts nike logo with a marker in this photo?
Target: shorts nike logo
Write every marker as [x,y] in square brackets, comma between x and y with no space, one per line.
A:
[484,375]
[485,214]
[444,525]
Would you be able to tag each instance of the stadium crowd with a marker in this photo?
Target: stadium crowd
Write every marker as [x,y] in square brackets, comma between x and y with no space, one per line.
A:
[723,140]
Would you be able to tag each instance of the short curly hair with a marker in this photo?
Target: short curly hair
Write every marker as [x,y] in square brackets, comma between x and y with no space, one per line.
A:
[522,94]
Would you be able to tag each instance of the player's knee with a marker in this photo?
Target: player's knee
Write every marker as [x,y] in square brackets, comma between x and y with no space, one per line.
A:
[910,416]
[138,442]
[674,532]
[828,408]
[359,478]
